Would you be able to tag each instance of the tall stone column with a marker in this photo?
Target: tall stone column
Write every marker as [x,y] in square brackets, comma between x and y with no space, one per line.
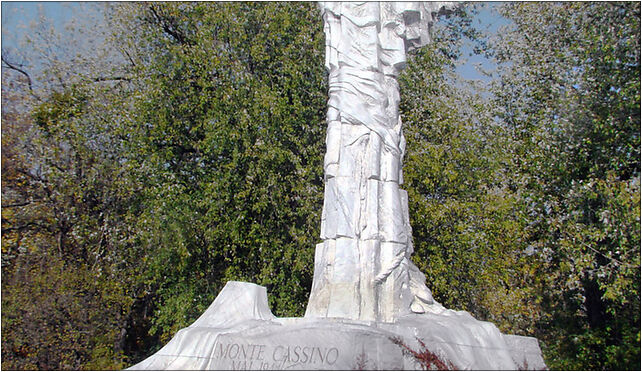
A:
[363,269]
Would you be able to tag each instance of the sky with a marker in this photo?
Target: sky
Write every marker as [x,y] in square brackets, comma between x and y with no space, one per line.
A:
[488,20]
[17,16]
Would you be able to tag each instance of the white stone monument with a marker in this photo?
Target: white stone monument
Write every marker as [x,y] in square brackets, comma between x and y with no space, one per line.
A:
[363,268]
[367,296]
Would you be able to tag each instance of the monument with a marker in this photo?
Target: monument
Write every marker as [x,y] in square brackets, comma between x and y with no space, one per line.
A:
[369,306]
[365,225]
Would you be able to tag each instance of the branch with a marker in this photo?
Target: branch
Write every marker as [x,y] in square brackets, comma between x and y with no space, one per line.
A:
[7,230]
[113,78]
[169,27]
[625,264]
[23,72]
[129,57]
[16,204]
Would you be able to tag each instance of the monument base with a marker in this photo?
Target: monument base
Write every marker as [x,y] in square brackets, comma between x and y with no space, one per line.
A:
[238,332]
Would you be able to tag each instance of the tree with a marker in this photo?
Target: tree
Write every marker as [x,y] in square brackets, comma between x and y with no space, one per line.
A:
[569,99]
[467,227]
[190,161]
[67,285]
[226,135]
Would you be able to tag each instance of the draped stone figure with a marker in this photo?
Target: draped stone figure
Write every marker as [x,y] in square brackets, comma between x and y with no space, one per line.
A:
[363,268]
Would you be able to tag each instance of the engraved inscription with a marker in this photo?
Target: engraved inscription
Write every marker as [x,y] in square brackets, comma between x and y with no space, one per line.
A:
[268,357]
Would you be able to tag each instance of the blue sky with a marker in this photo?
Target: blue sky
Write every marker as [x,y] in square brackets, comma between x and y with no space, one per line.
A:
[489,21]
[17,16]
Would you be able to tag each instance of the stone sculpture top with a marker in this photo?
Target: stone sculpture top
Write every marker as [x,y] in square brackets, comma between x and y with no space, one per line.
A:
[363,269]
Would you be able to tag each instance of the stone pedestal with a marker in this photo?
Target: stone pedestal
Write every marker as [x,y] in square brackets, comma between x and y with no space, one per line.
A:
[238,332]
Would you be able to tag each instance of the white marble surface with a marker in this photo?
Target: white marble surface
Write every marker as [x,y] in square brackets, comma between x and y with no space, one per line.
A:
[363,268]
[238,332]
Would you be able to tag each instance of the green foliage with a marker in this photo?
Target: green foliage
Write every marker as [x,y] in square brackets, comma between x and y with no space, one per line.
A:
[461,210]
[227,136]
[525,206]
[64,319]
[68,276]
[569,94]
